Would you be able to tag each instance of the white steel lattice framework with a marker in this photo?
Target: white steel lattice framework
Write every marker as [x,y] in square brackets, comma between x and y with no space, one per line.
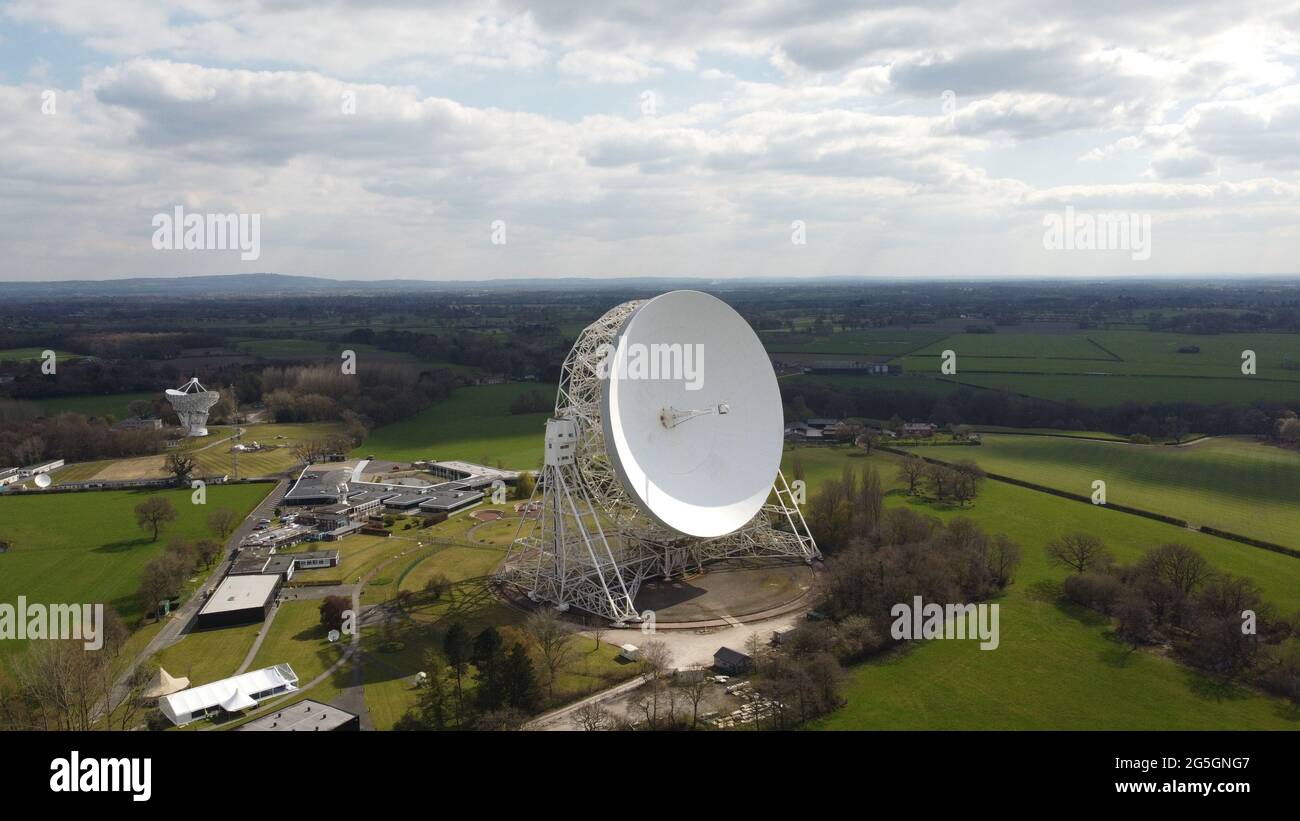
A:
[592,546]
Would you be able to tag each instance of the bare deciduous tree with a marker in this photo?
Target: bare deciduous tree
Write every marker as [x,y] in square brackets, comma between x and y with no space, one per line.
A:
[1079,551]
[153,513]
[594,716]
[223,522]
[554,643]
[911,470]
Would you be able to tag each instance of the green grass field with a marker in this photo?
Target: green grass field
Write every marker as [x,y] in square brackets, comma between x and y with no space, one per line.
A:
[1099,368]
[109,404]
[475,424]
[1056,667]
[297,638]
[86,547]
[1234,484]
[219,460]
[212,455]
[208,655]
[1099,391]
[34,354]
[855,343]
[1020,346]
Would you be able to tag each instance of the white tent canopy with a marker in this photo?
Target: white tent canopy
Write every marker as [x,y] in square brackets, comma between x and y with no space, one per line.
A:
[164,684]
[236,702]
[230,694]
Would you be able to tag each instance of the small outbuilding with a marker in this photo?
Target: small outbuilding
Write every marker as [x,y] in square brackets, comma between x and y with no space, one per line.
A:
[629,652]
[731,662]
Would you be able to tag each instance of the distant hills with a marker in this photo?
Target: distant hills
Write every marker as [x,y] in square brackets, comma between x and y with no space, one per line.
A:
[268,284]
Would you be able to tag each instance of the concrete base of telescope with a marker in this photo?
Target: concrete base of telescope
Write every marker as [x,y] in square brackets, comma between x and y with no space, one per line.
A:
[729,592]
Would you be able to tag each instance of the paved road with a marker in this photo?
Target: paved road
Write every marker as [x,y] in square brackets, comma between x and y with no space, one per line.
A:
[178,624]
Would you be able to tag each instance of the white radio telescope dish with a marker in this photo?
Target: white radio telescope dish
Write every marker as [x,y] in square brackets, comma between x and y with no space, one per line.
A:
[43,480]
[192,402]
[692,414]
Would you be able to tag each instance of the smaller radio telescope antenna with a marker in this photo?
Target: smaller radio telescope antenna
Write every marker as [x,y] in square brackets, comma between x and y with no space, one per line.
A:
[192,403]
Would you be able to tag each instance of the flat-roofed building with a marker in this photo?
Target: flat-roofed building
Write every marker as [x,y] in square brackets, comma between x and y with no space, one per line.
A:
[240,600]
[305,716]
[39,468]
[443,501]
[406,501]
[139,423]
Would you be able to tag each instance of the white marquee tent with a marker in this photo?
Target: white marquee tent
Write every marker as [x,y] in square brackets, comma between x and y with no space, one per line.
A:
[229,694]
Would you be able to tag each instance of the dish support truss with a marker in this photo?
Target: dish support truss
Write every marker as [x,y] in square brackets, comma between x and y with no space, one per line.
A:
[591,547]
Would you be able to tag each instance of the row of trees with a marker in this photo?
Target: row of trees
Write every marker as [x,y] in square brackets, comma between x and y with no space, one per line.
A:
[164,578]
[68,436]
[1215,621]
[959,482]
[60,685]
[508,684]
[378,392]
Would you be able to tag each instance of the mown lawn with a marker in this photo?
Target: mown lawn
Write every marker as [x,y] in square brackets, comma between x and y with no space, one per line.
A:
[208,655]
[297,638]
[1057,666]
[86,547]
[475,425]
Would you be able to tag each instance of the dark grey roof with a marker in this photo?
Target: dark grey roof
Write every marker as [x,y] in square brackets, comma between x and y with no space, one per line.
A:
[279,563]
[306,715]
[443,500]
[726,655]
[372,496]
[407,499]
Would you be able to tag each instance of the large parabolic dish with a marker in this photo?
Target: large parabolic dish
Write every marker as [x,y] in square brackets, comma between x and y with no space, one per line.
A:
[692,414]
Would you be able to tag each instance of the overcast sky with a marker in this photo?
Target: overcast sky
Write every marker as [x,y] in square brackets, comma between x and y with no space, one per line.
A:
[653,138]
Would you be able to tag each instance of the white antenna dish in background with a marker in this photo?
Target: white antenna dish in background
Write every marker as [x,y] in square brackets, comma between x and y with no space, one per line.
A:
[43,480]
[697,439]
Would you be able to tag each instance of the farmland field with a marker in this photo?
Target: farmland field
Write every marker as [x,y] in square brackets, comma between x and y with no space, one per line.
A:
[1114,390]
[857,343]
[34,354]
[99,405]
[96,552]
[1056,667]
[1023,346]
[475,425]
[1234,484]
[212,455]
[1094,368]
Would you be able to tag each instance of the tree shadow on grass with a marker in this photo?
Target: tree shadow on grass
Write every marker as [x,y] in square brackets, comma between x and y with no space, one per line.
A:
[316,632]
[1214,688]
[1046,590]
[122,546]
[1288,711]
[1117,653]
[1082,614]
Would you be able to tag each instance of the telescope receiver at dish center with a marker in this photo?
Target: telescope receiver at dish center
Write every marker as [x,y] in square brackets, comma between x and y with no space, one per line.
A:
[657,477]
